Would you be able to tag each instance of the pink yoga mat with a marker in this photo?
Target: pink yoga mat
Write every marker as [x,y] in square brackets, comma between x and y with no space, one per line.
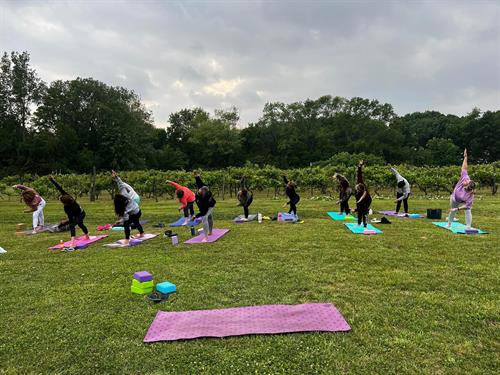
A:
[238,321]
[80,241]
[216,234]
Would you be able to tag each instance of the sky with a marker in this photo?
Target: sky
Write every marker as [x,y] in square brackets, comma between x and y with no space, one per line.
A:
[415,55]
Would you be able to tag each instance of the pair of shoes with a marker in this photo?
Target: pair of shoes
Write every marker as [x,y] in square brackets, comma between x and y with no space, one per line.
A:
[158,297]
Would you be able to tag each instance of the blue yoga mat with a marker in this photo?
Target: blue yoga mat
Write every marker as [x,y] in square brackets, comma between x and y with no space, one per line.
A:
[456,227]
[340,216]
[354,228]
[179,223]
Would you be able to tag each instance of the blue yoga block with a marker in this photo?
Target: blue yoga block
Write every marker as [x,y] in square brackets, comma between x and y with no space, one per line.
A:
[166,287]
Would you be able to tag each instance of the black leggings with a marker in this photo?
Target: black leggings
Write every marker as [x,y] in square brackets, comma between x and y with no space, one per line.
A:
[405,203]
[189,209]
[245,207]
[74,221]
[293,205]
[135,220]
[363,216]
[344,207]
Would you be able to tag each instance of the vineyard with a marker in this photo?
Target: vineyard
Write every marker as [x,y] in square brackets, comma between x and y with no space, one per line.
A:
[268,180]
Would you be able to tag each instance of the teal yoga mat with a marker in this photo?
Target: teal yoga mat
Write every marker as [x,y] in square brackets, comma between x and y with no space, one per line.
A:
[340,216]
[457,228]
[354,228]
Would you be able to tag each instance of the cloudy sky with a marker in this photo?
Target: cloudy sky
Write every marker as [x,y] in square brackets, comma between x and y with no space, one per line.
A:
[418,55]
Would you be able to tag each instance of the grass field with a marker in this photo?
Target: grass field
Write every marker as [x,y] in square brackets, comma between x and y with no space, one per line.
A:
[419,299]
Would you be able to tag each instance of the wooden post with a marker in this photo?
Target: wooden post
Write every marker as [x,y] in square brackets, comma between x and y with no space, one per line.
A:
[92,185]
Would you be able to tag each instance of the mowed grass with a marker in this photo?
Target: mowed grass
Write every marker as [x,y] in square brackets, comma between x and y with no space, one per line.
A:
[418,298]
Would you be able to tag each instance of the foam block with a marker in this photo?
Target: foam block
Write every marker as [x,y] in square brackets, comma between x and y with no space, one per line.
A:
[136,290]
[191,223]
[457,228]
[142,285]
[80,242]
[142,276]
[166,287]
[354,228]
[337,216]
[252,320]
[216,234]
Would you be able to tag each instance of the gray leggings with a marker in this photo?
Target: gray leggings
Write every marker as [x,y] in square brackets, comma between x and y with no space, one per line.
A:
[452,214]
[208,221]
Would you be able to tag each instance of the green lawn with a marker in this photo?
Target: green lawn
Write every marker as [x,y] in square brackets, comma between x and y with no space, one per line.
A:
[418,298]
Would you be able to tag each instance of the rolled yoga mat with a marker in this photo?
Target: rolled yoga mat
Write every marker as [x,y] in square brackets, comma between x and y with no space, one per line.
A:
[252,320]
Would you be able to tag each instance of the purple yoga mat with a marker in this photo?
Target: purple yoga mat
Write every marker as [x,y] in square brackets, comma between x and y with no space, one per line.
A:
[80,241]
[216,234]
[238,321]
[393,213]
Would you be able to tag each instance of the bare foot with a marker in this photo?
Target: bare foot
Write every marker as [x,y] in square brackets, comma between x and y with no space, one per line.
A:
[87,237]
[205,239]
[209,233]
[140,235]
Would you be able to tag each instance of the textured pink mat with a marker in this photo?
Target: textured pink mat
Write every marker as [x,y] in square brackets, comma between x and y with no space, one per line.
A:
[80,241]
[216,234]
[238,321]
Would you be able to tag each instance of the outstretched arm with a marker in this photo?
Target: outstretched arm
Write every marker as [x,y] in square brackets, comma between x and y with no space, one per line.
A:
[243,183]
[360,173]
[199,182]
[58,187]
[464,164]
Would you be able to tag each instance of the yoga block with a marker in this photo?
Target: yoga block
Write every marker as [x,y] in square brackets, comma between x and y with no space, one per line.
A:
[166,287]
[135,290]
[471,231]
[144,285]
[20,227]
[143,276]
[434,213]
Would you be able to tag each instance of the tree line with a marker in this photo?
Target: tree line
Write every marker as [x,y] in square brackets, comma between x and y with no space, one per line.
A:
[75,125]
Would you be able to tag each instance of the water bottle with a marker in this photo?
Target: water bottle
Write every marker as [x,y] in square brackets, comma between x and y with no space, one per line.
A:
[61,244]
[280,216]
[193,232]
[175,240]
[259,217]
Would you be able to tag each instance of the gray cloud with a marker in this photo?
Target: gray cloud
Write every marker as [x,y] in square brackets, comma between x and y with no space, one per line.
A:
[415,55]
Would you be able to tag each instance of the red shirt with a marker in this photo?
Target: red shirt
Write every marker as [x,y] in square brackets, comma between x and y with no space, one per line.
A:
[188,196]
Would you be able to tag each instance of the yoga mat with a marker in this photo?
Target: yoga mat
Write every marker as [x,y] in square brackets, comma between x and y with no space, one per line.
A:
[239,219]
[457,228]
[216,234]
[340,216]
[191,223]
[354,228]
[286,217]
[252,320]
[393,213]
[120,228]
[80,242]
[44,229]
[133,241]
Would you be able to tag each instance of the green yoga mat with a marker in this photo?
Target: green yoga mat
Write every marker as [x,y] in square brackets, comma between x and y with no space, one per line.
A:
[457,228]
[359,229]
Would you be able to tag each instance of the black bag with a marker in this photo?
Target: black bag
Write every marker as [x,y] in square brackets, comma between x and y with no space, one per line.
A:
[434,213]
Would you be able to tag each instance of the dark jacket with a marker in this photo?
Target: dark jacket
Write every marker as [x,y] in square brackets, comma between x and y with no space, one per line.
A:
[73,210]
[345,190]
[203,201]
[364,205]
[290,192]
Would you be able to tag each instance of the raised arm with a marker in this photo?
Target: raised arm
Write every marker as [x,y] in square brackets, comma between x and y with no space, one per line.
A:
[174,184]
[58,187]
[464,164]
[285,179]
[199,182]
[396,173]
[243,183]
[360,173]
